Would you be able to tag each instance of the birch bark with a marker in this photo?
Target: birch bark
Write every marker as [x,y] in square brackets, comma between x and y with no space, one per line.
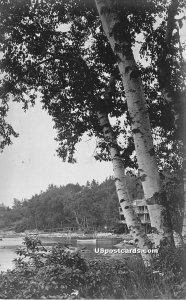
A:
[133,222]
[119,37]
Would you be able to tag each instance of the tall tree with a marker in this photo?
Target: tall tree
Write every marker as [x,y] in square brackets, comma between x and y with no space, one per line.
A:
[117,30]
[171,75]
[72,57]
[133,222]
[42,55]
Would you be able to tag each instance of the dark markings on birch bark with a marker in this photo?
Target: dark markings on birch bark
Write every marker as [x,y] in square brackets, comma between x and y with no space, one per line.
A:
[105,10]
[102,117]
[125,50]
[117,48]
[135,74]
[120,32]
[118,59]
[122,200]
[128,69]
[107,131]
[152,152]
[160,199]
[154,230]
[136,130]
[138,228]
[114,145]
[143,177]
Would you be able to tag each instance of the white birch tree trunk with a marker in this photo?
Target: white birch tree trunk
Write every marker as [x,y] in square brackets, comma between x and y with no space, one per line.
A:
[133,222]
[119,37]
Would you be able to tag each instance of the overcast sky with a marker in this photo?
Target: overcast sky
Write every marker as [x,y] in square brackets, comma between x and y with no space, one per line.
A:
[31,163]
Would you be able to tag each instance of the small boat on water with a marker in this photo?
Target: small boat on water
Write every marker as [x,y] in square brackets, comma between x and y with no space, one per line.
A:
[86,241]
[1,238]
[122,244]
[71,249]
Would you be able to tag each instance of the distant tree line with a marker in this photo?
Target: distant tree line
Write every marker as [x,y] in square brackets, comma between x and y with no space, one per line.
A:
[83,207]
[72,205]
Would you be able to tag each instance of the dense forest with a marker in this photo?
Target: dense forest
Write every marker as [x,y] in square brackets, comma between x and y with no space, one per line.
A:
[69,206]
[114,70]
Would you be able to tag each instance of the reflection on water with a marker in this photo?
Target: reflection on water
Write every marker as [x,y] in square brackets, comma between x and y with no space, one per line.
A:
[11,242]
[6,259]
[8,247]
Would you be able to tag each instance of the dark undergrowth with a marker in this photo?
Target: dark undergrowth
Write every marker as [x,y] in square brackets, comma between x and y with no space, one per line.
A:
[55,273]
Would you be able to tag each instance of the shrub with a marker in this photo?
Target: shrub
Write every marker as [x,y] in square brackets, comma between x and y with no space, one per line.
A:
[21,226]
[171,267]
[55,273]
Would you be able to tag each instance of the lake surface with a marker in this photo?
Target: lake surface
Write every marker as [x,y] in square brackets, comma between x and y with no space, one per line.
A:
[8,247]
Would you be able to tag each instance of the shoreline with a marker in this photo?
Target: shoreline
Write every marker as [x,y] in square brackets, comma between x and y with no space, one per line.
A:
[42,234]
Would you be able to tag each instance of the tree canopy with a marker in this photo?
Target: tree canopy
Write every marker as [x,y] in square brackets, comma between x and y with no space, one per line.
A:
[57,49]
[69,206]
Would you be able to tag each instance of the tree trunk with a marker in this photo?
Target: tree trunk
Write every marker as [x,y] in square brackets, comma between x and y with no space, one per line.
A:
[121,46]
[77,220]
[167,50]
[184,212]
[133,222]
[184,171]
[167,90]
[183,134]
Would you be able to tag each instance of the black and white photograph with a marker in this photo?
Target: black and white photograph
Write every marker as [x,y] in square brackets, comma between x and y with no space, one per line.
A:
[92,149]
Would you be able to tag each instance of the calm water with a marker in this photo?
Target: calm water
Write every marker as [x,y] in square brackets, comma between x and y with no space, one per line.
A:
[8,247]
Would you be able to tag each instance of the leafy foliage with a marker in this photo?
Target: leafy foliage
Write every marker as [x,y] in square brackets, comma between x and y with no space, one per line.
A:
[92,205]
[171,264]
[6,130]
[70,206]
[59,49]
[56,273]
